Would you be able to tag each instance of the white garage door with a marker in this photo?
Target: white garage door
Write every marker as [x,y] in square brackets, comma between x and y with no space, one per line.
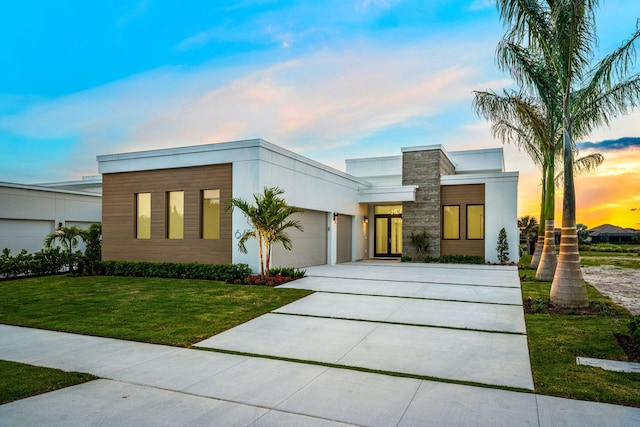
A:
[18,234]
[345,237]
[309,246]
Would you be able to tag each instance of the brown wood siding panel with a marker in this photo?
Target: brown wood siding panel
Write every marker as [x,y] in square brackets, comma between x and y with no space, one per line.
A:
[119,216]
[462,195]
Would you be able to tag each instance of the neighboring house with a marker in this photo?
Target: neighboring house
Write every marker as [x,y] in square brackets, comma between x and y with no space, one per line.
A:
[607,233]
[170,204]
[29,212]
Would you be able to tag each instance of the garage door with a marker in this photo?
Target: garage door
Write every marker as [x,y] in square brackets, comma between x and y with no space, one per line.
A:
[18,234]
[345,237]
[309,247]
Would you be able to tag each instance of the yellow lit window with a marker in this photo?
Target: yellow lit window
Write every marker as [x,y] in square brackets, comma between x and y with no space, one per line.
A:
[143,216]
[450,222]
[475,222]
[175,215]
[210,214]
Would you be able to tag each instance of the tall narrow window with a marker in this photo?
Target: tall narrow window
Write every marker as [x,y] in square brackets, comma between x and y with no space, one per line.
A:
[143,216]
[450,222]
[475,222]
[175,214]
[210,214]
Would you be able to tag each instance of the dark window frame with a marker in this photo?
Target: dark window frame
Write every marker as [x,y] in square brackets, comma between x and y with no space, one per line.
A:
[467,222]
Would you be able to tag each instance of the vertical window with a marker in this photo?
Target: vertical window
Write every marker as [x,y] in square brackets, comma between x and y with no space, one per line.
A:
[143,216]
[175,214]
[475,222]
[450,222]
[210,214]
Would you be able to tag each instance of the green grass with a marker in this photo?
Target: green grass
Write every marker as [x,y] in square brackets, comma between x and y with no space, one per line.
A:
[556,340]
[609,254]
[607,260]
[20,381]
[163,311]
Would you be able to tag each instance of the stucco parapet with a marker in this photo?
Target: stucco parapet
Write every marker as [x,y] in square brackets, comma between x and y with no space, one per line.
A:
[206,154]
[48,189]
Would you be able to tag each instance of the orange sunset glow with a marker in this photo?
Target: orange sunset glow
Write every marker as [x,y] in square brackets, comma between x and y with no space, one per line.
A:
[608,195]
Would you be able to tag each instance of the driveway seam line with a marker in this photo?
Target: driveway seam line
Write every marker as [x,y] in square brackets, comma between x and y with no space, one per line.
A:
[408,297]
[385,322]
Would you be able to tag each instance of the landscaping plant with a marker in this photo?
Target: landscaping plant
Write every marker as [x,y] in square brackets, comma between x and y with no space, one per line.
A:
[503,246]
[269,218]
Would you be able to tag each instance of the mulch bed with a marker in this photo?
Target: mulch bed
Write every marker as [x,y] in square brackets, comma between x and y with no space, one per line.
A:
[530,307]
[628,345]
[258,280]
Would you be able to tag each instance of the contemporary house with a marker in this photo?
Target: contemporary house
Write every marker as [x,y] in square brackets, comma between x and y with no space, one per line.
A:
[170,204]
[29,212]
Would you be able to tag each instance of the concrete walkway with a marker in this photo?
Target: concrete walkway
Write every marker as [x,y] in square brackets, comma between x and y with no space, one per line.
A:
[146,384]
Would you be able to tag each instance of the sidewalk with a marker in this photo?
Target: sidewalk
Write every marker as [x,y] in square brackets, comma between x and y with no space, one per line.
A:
[146,384]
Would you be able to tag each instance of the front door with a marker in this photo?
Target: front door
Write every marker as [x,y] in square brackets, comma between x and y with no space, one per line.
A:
[388,231]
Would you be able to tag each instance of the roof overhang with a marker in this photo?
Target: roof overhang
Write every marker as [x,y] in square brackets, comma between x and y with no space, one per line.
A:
[397,193]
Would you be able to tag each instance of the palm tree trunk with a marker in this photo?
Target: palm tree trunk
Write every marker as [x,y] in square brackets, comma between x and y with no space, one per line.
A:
[548,258]
[537,252]
[568,288]
[261,255]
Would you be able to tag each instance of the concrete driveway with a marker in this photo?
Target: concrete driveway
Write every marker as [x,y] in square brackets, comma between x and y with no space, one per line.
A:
[451,322]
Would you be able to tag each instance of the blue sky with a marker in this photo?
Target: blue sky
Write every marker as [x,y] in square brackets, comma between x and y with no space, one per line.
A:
[328,79]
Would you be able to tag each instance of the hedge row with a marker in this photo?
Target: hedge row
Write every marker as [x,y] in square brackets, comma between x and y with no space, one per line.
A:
[41,263]
[221,272]
[456,259]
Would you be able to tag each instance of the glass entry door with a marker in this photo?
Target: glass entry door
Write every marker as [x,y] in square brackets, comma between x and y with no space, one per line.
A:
[388,231]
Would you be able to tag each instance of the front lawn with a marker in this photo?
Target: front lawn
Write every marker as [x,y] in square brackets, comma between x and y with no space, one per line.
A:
[20,380]
[176,312]
[555,340]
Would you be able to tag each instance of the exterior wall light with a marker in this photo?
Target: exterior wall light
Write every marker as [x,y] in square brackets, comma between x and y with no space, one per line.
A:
[335,217]
[366,220]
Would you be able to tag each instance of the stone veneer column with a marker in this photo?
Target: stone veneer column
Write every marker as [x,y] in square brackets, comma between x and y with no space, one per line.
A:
[423,167]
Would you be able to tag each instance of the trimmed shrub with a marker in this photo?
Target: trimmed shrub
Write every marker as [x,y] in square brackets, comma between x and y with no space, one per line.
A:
[221,272]
[455,259]
[44,262]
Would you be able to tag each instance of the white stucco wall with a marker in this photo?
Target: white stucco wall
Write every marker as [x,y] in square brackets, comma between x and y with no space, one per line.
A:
[306,184]
[29,213]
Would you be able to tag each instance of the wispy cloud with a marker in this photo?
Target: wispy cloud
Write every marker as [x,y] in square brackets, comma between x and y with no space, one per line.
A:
[482,4]
[367,5]
[328,98]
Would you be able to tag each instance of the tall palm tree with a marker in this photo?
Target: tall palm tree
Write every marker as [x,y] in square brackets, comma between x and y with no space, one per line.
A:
[269,217]
[563,33]
[536,128]
[533,124]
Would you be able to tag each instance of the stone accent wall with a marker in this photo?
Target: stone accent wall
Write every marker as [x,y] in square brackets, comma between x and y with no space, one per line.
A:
[423,168]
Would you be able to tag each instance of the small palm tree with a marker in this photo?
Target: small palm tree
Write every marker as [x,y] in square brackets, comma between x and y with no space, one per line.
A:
[68,237]
[269,218]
